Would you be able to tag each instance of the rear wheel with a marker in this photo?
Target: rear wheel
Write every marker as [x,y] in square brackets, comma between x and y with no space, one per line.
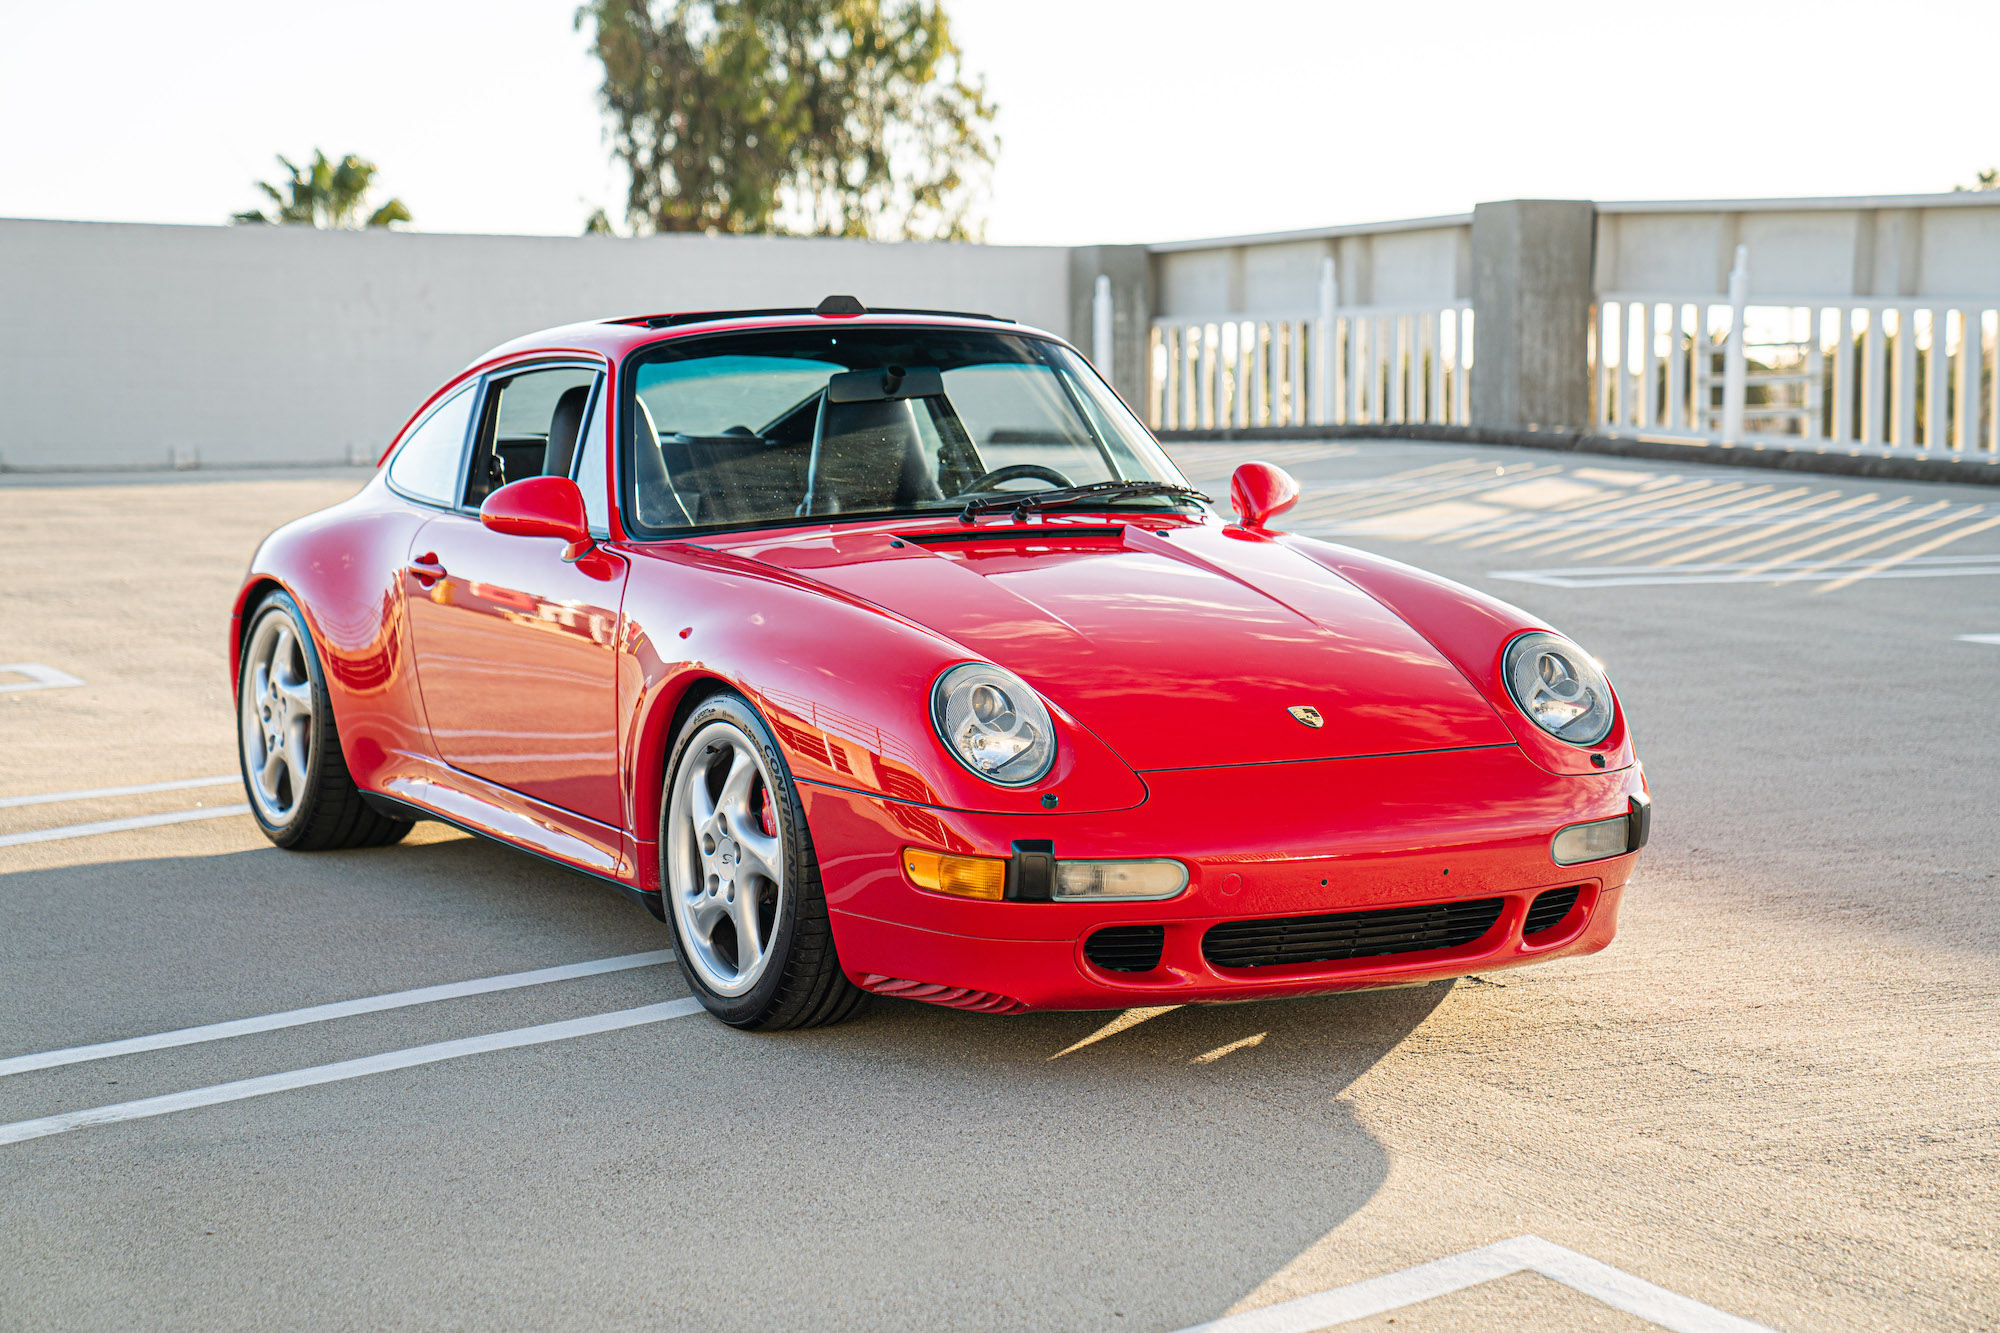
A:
[741,881]
[300,790]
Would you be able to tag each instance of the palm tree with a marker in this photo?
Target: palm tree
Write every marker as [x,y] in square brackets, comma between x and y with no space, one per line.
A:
[326,194]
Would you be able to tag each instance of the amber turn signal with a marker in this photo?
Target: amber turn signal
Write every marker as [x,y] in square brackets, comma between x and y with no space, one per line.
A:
[960,876]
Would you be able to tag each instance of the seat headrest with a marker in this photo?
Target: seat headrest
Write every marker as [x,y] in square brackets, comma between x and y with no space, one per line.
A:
[565,426]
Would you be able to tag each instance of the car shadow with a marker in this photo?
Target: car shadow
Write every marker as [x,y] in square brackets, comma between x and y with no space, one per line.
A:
[917,1165]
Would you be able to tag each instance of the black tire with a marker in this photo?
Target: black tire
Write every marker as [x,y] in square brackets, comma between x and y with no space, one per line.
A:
[328,810]
[802,985]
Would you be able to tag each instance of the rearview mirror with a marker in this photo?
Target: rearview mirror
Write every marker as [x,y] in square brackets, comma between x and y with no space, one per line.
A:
[540,507]
[877,386]
[1259,492]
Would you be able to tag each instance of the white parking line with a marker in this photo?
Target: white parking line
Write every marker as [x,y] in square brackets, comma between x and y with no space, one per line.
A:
[62,831]
[1441,1277]
[1806,571]
[93,793]
[320,1013]
[22,1130]
[1979,638]
[39,677]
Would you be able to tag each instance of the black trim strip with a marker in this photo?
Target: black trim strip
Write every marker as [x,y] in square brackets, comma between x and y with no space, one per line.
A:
[1010,533]
[401,809]
[1341,759]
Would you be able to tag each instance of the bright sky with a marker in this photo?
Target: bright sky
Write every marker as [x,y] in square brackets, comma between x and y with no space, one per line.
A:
[1144,120]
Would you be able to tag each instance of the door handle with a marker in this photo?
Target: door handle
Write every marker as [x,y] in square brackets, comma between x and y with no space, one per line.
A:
[427,569]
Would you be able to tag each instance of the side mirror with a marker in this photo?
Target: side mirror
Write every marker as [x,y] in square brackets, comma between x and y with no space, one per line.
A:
[1259,492]
[540,507]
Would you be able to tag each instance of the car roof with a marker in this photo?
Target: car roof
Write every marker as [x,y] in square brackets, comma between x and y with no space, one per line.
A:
[615,337]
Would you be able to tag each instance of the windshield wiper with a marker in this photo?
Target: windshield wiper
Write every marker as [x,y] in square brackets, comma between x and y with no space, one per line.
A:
[1023,505]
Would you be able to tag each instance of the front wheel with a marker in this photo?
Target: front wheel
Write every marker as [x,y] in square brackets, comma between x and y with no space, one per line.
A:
[741,882]
[300,790]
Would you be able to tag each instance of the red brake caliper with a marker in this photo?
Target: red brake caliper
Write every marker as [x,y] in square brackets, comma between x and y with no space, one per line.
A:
[770,815]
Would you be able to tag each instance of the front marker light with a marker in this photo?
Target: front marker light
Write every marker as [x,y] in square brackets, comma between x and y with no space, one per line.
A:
[1593,841]
[960,876]
[1118,881]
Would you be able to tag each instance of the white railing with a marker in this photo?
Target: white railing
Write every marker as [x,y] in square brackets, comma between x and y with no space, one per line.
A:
[1874,373]
[1340,365]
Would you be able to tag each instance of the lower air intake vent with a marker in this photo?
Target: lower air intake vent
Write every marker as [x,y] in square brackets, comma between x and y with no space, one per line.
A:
[1548,910]
[1126,948]
[957,997]
[1324,939]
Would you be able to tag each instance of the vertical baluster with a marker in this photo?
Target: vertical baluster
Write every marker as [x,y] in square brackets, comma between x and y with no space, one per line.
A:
[1843,374]
[1186,387]
[1937,382]
[1241,375]
[1336,384]
[1814,425]
[1903,389]
[1211,375]
[1676,418]
[1433,354]
[1649,365]
[1875,376]
[1350,369]
[1969,359]
[1295,402]
[1413,367]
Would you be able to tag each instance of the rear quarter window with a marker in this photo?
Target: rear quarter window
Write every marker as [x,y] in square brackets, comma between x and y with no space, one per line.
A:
[426,467]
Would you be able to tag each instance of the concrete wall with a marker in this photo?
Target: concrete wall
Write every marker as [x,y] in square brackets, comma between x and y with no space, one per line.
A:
[133,346]
[1426,261]
[1923,247]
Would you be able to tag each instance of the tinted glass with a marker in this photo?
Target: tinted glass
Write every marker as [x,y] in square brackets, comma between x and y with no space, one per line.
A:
[751,428]
[532,423]
[426,467]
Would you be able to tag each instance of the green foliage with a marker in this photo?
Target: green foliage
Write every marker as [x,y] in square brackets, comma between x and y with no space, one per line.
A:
[1988,179]
[817,117]
[325,194]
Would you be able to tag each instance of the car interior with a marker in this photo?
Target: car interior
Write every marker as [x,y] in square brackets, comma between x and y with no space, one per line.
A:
[784,425]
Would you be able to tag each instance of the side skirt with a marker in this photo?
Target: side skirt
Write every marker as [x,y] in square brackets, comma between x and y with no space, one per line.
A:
[401,809]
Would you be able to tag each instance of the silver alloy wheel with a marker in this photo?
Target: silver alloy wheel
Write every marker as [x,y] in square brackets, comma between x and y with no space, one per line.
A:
[276,717]
[726,875]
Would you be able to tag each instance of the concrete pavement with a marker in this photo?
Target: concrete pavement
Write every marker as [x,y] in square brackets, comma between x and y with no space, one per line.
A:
[1772,1095]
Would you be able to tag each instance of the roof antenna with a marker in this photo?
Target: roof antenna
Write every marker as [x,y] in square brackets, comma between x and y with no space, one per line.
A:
[840,305]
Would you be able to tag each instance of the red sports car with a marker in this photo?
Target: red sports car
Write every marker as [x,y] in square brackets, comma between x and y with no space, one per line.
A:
[886,651]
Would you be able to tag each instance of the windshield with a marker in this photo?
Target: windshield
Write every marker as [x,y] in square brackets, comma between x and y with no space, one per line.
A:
[756,427]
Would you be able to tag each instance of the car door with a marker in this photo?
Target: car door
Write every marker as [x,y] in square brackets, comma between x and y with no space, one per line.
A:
[515,647]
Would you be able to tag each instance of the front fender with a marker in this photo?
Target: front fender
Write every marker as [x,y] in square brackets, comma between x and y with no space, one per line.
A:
[1472,630]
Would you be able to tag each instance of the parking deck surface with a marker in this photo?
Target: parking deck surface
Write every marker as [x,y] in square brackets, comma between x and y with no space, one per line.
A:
[1770,1101]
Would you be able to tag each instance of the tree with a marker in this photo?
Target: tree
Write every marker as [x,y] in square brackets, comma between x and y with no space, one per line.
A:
[1988,179]
[326,194]
[815,117]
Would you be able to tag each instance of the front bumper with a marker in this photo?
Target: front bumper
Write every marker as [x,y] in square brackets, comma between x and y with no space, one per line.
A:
[1269,840]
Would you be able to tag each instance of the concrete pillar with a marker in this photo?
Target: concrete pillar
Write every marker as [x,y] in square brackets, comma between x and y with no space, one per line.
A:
[1531,295]
[1130,268]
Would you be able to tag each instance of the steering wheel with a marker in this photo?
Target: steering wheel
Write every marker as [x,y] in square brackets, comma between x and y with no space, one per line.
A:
[1016,472]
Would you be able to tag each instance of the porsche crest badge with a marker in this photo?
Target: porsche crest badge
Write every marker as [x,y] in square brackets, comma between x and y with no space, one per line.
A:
[1307,714]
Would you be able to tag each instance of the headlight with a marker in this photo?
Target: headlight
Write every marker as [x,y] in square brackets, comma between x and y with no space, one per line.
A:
[993,723]
[1560,689]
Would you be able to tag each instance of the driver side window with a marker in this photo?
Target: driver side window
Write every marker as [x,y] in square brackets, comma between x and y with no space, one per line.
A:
[530,427]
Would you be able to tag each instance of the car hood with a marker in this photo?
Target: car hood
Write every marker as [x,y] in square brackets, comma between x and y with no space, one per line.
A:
[1181,648]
